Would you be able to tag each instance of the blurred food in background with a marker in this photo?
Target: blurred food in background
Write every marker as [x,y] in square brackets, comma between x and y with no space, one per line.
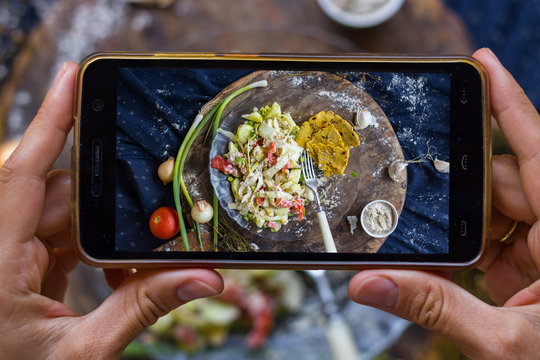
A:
[360,13]
[360,6]
[250,304]
[161,4]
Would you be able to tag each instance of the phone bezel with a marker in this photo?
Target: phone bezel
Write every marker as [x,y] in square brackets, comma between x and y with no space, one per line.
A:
[96,78]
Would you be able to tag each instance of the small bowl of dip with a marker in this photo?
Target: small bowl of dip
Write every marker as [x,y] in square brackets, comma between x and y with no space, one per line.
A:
[360,13]
[379,218]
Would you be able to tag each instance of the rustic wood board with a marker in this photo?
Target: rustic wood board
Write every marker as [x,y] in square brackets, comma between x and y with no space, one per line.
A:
[304,94]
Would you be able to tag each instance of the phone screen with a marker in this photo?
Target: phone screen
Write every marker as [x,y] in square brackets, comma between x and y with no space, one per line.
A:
[382,141]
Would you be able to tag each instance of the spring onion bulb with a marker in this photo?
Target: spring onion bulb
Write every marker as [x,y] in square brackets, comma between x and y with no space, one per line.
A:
[260,83]
[202,212]
[166,170]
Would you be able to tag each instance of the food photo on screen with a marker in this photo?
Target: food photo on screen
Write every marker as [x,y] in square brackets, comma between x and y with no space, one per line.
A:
[379,143]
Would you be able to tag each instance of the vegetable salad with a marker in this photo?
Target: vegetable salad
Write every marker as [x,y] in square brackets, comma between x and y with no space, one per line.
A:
[263,167]
[250,303]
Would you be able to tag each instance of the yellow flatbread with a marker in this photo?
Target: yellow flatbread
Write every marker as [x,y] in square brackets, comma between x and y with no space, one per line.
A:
[349,136]
[331,159]
[328,138]
[328,135]
[304,134]
[321,120]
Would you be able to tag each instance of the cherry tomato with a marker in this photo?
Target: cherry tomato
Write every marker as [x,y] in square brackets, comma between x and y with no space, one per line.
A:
[298,206]
[301,210]
[164,223]
[223,165]
[286,167]
[284,203]
[272,224]
[271,155]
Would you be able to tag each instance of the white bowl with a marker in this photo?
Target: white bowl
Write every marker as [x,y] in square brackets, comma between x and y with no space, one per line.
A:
[361,20]
[394,218]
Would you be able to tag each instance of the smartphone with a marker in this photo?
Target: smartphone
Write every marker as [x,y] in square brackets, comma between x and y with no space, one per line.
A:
[399,147]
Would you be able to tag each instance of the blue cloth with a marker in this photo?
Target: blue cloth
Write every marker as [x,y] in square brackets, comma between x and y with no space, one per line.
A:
[418,107]
[511,28]
[155,108]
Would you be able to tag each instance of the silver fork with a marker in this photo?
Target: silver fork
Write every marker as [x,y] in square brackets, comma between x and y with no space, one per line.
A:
[312,183]
[338,332]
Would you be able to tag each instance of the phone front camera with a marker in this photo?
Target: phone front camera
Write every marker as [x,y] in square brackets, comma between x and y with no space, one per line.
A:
[98,105]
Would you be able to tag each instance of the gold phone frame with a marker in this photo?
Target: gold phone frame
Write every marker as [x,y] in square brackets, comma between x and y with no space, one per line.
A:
[279,264]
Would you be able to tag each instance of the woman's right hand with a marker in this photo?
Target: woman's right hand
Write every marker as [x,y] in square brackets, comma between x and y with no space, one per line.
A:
[510,330]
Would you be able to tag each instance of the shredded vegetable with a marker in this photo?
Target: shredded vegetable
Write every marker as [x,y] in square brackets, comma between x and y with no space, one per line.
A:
[263,162]
[217,118]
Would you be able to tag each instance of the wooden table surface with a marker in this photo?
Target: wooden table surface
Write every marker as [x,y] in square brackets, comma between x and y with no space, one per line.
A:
[75,28]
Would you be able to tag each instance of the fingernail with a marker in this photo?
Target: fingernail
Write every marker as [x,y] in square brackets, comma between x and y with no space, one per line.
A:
[493,55]
[377,291]
[195,289]
[60,74]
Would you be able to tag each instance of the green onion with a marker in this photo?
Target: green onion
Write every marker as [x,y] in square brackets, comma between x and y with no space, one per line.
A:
[178,179]
[354,174]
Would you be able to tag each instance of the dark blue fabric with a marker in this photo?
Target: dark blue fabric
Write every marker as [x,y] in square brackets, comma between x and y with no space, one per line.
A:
[156,106]
[418,107]
[511,28]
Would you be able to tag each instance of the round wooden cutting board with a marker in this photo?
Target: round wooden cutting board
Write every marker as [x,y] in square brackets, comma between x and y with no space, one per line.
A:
[303,95]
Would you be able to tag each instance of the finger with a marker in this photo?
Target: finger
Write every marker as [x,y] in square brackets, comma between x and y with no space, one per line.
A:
[45,137]
[66,258]
[530,294]
[115,277]
[516,116]
[56,215]
[22,178]
[514,268]
[519,122]
[510,205]
[60,239]
[500,225]
[428,300]
[55,284]
[508,193]
[141,300]
[443,274]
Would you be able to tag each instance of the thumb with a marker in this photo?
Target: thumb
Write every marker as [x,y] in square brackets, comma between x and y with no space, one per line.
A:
[428,300]
[140,301]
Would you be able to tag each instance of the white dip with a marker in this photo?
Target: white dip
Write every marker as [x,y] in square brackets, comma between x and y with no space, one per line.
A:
[379,218]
